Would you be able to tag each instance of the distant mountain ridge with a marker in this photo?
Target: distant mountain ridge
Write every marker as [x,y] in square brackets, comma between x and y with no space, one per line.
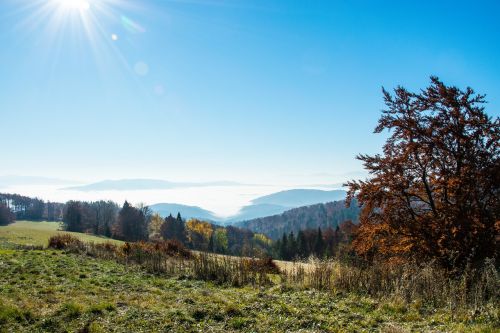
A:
[279,202]
[269,205]
[144,184]
[300,197]
[321,215]
[187,212]
[255,211]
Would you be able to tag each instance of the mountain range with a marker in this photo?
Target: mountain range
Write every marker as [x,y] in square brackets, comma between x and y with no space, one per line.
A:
[144,184]
[269,205]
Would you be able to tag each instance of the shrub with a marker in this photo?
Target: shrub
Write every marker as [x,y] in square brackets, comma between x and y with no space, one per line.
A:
[261,265]
[66,242]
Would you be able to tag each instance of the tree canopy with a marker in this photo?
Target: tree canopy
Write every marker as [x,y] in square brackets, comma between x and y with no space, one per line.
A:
[434,191]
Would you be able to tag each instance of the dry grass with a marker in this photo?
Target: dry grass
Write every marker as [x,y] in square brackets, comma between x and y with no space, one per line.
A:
[172,258]
[409,283]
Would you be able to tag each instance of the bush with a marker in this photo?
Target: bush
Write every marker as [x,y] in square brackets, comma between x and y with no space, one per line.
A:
[65,242]
[261,265]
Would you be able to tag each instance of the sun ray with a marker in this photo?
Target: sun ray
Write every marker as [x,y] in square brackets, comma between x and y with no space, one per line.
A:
[57,25]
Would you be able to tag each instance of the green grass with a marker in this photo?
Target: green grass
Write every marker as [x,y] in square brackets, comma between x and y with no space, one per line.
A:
[54,291]
[38,234]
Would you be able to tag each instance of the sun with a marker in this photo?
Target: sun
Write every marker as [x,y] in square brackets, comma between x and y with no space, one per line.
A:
[80,5]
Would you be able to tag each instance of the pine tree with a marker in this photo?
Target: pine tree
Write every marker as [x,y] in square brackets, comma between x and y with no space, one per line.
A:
[132,225]
[302,250]
[72,217]
[319,245]
[284,247]
[292,246]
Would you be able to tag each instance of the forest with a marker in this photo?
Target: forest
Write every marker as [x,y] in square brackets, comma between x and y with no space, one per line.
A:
[15,206]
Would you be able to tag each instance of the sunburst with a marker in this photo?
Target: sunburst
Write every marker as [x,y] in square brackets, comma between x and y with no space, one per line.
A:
[96,25]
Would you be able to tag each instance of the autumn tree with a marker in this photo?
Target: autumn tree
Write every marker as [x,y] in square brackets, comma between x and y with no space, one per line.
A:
[434,191]
[199,233]
[154,227]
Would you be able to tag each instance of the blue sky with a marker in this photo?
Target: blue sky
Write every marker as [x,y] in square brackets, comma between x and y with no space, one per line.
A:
[250,91]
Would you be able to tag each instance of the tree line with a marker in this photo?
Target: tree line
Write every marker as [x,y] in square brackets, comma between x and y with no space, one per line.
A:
[19,207]
[319,243]
[133,224]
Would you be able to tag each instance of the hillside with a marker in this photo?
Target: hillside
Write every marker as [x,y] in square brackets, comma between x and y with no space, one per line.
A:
[268,205]
[307,217]
[38,234]
[255,211]
[280,202]
[56,291]
[187,212]
[300,197]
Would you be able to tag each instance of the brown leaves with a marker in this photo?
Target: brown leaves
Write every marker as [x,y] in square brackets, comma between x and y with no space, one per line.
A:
[433,194]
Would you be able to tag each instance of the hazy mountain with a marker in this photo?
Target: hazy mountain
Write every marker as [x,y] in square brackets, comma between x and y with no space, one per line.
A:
[255,211]
[320,215]
[277,203]
[187,212]
[300,197]
[144,184]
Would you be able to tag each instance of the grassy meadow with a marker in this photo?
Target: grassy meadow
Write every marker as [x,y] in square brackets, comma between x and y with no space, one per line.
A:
[38,234]
[57,291]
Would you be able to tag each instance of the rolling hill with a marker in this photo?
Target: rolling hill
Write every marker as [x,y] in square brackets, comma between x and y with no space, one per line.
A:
[300,197]
[187,212]
[279,202]
[308,217]
[269,205]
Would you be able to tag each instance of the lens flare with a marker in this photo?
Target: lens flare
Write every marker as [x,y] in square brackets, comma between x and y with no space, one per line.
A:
[132,26]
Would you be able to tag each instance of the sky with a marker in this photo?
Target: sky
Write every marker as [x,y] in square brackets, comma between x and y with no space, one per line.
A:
[268,92]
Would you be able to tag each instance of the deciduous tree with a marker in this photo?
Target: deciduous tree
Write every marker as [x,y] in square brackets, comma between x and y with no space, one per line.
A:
[434,191]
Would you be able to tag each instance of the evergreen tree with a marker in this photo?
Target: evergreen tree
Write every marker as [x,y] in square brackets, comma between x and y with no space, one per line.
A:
[72,217]
[132,224]
[174,228]
[284,247]
[319,245]
[292,246]
[180,229]
[167,229]
[302,250]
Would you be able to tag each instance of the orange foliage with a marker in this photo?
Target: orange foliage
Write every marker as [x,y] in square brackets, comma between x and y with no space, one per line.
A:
[433,193]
